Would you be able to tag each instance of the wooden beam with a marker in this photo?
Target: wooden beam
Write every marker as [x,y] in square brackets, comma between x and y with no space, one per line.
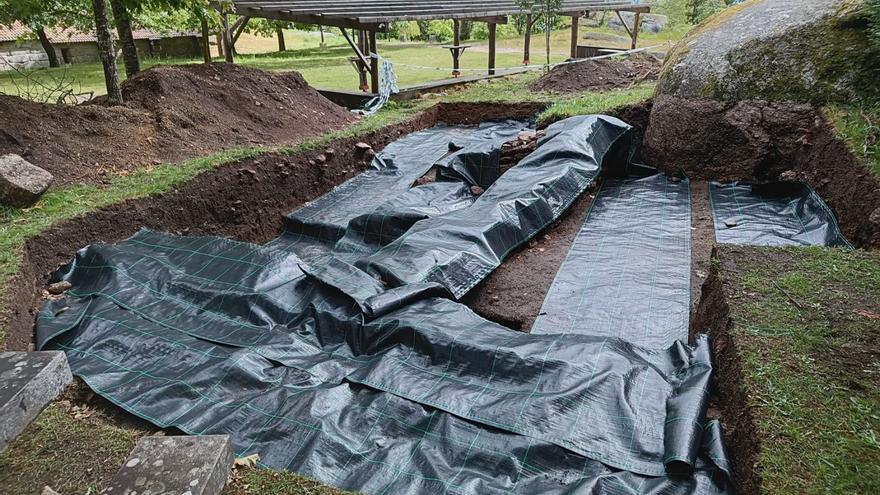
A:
[363,46]
[238,28]
[635,31]
[574,34]
[492,27]
[456,42]
[374,63]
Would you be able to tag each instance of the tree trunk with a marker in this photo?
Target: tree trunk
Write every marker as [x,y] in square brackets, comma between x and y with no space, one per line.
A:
[47,46]
[126,39]
[206,40]
[281,46]
[548,26]
[107,52]
[220,44]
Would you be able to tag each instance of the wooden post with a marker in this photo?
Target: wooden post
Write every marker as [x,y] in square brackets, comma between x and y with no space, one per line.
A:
[206,41]
[574,35]
[635,30]
[362,46]
[374,63]
[220,44]
[227,40]
[281,46]
[492,27]
[527,47]
[456,41]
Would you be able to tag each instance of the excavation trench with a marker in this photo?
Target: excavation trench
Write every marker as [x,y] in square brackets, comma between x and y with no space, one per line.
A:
[213,204]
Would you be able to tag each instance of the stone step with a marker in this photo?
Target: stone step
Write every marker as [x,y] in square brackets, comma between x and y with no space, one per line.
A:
[29,381]
[186,465]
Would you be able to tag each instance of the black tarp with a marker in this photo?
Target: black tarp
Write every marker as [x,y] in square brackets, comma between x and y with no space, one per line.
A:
[627,273]
[336,351]
[775,214]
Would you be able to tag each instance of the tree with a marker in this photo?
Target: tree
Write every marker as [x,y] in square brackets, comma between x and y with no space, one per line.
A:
[126,38]
[38,16]
[107,52]
[549,12]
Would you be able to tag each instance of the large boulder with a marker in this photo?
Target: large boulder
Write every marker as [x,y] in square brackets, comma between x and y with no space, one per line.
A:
[785,50]
[21,183]
[650,23]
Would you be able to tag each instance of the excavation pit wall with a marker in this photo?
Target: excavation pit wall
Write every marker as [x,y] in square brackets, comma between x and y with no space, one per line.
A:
[244,200]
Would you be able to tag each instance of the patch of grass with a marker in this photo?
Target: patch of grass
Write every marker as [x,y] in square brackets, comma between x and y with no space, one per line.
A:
[807,329]
[588,103]
[67,454]
[859,127]
[270,482]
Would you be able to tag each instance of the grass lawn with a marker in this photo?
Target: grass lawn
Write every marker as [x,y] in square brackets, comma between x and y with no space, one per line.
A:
[859,127]
[328,67]
[807,325]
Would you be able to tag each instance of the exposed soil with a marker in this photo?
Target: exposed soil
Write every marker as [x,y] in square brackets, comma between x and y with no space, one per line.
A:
[702,240]
[599,75]
[713,315]
[760,142]
[244,200]
[171,113]
[513,293]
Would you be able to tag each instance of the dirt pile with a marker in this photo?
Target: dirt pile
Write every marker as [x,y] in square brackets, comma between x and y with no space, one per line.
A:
[599,75]
[171,113]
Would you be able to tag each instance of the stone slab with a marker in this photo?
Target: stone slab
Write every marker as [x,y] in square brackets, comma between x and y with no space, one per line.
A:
[21,182]
[180,465]
[29,381]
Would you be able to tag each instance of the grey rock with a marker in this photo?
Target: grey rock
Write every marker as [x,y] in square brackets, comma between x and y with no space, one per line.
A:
[874,217]
[21,183]
[651,23]
[605,37]
[29,381]
[192,465]
[782,50]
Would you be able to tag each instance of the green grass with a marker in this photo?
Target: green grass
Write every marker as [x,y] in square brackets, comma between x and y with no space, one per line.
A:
[270,482]
[859,127]
[44,455]
[328,67]
[809,346]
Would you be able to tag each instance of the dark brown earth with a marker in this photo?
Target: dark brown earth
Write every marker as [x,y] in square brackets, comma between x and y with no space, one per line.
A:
[729,394]
[759,142]
[513,293]
[213,204]
[599,75]
[702,240]
[171,113]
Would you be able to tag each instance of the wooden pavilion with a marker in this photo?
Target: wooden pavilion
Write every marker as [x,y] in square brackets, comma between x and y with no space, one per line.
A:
[360,20]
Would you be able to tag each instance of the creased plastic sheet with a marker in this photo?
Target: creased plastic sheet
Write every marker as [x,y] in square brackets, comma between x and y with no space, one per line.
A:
[627,273]
[776,214]
[379,385]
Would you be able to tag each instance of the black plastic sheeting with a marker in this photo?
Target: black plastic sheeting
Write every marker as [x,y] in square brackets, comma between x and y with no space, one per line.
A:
[336,351]
[627,273]
[776,214]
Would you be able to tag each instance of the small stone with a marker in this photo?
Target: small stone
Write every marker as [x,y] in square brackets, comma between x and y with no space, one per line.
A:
[248,171]
[321,158]
[59,287]
[788,176]
[874,217]
[21,183]
[477,190]
[362,146]
[329,152]
[730,224]
[47,490]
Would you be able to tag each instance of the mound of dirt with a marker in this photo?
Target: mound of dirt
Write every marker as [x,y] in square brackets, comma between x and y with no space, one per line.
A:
[598,75]
[171,113]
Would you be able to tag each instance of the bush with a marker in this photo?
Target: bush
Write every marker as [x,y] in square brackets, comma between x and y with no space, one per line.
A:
[441,29]
[480,31]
